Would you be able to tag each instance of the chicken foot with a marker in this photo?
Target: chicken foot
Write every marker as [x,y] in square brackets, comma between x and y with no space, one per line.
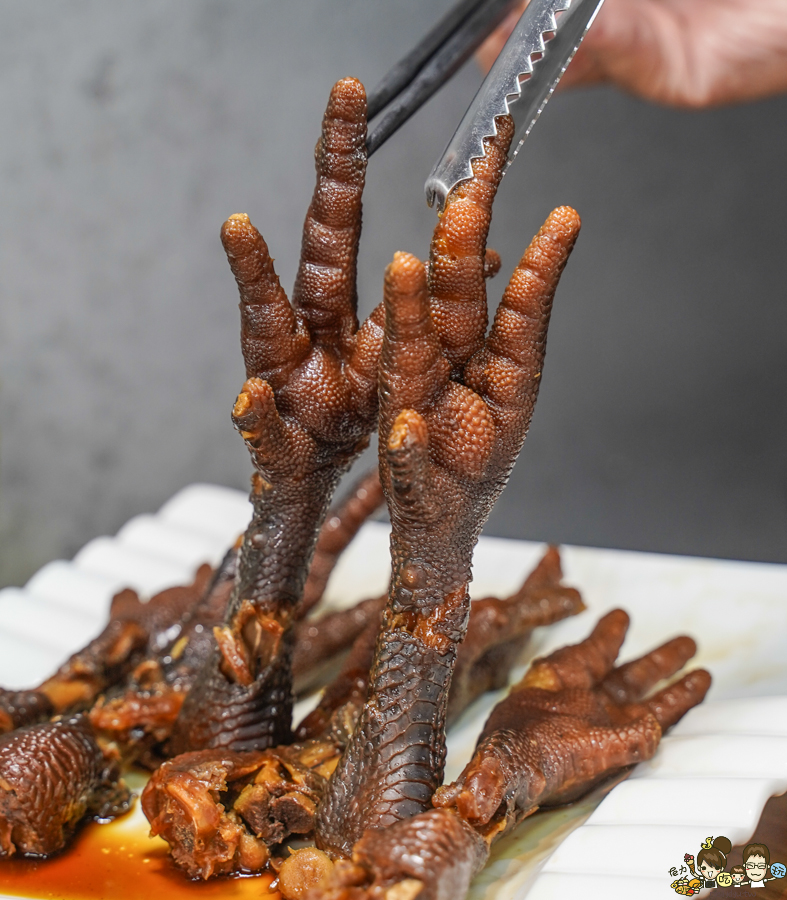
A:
[571,722]
[305,412]
[455,406]
[273,794]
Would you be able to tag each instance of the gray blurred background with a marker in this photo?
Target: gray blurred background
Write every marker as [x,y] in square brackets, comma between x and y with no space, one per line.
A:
[131,130]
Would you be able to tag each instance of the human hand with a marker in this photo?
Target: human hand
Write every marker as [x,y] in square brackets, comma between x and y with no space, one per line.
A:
[686,53]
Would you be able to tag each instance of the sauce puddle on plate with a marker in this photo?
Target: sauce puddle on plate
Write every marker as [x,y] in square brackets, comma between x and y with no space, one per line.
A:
[119,861]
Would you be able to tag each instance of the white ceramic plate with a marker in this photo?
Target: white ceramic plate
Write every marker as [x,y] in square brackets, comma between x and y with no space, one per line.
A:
[736,611]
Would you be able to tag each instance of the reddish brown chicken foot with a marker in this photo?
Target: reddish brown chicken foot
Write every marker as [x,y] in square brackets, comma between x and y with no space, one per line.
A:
[340,527]
[305,412]
[451,426]
[140,716]
[135,629]
[573,720]
[289,781]
[540,746]
[51,777]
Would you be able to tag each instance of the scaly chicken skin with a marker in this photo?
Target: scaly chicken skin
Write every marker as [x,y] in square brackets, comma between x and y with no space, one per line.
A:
[455,405]
[572,721]
[305,412]
[52,776]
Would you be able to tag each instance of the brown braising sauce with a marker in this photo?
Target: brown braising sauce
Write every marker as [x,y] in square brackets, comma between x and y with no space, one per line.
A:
[120,862]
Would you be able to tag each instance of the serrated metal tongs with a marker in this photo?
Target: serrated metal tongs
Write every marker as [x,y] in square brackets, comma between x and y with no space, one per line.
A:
[519,84]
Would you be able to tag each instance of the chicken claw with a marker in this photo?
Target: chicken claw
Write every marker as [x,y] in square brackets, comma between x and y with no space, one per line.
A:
[455,405]
[572,721]
[306,411]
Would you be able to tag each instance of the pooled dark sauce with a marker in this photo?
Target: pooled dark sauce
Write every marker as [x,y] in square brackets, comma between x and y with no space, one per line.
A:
[119,861]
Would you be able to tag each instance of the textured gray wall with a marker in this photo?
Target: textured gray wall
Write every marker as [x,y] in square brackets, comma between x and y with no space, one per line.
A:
[130,130]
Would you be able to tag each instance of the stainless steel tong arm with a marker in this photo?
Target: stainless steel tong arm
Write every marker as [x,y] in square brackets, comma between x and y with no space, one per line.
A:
[519,84]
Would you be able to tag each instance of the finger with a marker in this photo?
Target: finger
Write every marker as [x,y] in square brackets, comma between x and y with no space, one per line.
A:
[580,665]
[272,442]
[364,362]
[412,368]
[270,338]
[671,704]
[456,258]
[492,263]
[407,452]
[509,373]
[630,682]
[325,286]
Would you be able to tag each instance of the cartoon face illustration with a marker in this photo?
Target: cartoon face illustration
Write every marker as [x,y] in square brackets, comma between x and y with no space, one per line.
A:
[737,875]
[756,868]
[708,871]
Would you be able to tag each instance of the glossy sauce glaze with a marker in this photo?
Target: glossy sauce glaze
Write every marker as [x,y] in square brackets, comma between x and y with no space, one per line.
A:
[119,861]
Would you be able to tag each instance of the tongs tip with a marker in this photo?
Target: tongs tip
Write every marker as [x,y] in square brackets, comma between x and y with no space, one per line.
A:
[519,84]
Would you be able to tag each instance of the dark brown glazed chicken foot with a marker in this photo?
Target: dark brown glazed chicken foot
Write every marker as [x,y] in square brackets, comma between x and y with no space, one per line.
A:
[138,718]
[135,631]
[363,499]
[305,412]
[51,777]
[18,708]
[572,721]
[455,405]
[274,793]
